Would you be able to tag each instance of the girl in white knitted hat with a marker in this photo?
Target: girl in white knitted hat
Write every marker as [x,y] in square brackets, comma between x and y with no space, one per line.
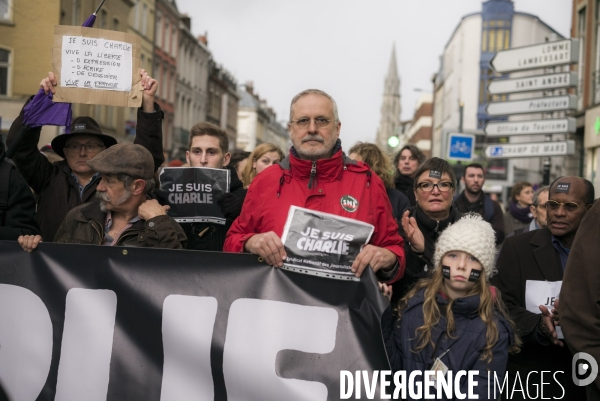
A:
[454,320]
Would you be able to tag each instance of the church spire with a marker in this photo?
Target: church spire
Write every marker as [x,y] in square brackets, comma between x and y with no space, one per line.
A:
[390,108]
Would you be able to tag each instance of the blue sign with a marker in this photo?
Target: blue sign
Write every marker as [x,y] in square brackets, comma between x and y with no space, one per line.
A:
[461,146]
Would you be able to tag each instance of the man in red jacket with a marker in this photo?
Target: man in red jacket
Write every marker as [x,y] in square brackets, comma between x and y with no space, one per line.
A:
[316,175]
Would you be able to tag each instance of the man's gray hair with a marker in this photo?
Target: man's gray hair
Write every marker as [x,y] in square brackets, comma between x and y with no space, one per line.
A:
[537,193]
[313,92]
[127,180]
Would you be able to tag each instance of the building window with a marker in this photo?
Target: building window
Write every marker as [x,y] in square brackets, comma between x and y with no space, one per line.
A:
[4,71]
[495,35]
[5,9]
[144,18]
[103,18]
[136,15]
[158,30]
[581,25]
[174,42]
[165,40]
[115,24]
[76,12]
[597,72]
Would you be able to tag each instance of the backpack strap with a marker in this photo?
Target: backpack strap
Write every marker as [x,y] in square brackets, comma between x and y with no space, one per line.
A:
[488,208]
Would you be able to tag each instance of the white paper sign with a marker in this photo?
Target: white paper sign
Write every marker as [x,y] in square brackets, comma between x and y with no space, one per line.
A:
[96,64]
[542,293]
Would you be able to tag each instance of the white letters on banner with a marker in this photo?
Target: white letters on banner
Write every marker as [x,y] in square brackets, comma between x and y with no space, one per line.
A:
[253,341]
[187,329]
[28,340]
[250,350]
[542,293]
[96,63]
[86,347]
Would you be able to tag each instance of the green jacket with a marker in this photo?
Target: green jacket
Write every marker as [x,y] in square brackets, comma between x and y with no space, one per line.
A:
[85,225]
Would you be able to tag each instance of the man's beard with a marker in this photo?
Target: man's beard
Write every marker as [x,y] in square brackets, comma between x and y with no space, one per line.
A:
[469,190]
[316,153]
[105,199]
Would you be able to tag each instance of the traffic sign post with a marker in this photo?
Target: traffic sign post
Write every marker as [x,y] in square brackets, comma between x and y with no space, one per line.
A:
[535,105]
[537,149]
[461,146]
[542,55]
[532,127]
[534,83]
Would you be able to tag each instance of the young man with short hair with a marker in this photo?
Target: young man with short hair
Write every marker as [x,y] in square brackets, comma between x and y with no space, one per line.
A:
[208,147]
[472,199]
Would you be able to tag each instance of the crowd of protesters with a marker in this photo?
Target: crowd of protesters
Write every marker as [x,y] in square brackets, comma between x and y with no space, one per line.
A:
[433,249]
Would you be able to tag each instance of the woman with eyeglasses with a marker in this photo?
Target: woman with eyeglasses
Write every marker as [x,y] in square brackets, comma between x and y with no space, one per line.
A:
[434,188]
[519,214]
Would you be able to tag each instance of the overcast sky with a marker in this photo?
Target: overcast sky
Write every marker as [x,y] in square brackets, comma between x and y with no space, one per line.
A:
[341,47]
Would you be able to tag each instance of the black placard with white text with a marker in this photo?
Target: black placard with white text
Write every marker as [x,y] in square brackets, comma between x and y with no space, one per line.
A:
[83,322]
[322,243]
[192,193]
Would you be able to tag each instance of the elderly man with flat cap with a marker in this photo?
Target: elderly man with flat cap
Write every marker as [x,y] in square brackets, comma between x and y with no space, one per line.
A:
[122,214]
[63,185]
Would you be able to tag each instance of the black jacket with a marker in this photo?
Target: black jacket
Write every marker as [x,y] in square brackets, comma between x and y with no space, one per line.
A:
[211,236]
[525,257]
[420,266]
[56,190]
[399,203]
[405,184]
[497,217]
[18,216]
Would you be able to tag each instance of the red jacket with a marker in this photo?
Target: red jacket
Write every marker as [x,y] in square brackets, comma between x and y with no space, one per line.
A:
[274,190]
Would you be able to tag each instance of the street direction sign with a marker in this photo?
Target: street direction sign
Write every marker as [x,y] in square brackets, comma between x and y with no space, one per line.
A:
[534,105]
[542,55]
[534,83]
[538,149]
[461,146]
[532,127]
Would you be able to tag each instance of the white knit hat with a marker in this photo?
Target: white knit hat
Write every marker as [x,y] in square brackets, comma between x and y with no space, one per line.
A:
[470,234]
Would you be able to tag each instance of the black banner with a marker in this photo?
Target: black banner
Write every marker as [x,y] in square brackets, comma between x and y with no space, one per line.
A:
[192,193]
[94,323]
[323,244]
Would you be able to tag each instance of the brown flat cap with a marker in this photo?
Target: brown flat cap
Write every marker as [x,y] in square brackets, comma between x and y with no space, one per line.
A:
[124,158]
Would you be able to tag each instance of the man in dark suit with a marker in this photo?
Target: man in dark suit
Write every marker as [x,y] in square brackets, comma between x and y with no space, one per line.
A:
[530,271]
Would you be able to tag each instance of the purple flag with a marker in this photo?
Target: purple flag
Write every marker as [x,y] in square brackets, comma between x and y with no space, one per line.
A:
[43,111]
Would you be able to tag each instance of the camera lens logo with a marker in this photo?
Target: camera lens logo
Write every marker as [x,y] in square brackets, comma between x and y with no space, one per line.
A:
[583,364]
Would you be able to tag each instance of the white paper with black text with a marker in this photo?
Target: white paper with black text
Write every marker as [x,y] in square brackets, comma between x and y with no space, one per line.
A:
[542,293]
[323,244]
[193,192]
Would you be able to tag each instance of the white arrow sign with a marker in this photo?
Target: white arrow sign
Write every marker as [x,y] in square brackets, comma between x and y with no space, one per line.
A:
[532,127]
[536,105]
[536,56]
[539,149]
[536,83]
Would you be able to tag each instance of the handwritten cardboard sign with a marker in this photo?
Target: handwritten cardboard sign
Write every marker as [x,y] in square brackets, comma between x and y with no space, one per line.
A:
[96,66]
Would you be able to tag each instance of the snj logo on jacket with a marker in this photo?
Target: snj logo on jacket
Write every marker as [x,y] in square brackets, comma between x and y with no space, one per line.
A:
[349,203]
